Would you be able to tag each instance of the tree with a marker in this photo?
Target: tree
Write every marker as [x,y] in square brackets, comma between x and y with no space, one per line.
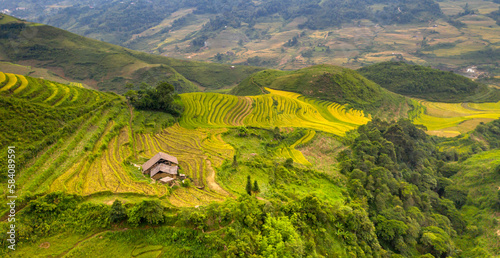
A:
[255,187]
[186,183]
[498,199]
[161,98]
[280,238]
[129,86]
[147,211]
[118,212]
[131,95]
[277,134]
[235,161]
[249,186]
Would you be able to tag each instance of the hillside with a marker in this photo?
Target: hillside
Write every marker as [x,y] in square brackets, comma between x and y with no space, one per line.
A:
[104,66]
[129,22]
[330,83]
[74,175]
[427,83]
[291,34]
[101,127]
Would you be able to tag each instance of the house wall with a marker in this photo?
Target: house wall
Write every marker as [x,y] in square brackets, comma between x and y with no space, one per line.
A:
[161,175]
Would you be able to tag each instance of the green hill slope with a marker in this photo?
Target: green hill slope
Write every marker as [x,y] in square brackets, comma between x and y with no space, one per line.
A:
[327,82]
[427,83]
[105,66]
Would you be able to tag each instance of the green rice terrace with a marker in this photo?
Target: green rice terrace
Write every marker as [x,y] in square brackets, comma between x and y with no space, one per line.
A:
[84,148]
[98,146]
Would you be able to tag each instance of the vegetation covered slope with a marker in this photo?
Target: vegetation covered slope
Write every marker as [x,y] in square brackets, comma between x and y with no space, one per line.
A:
[97,151]
[38,114]
[427,83]
[395,199]
[405,180]
[85,142]
[105,66]
[452,119]
[326,82]
[395,195]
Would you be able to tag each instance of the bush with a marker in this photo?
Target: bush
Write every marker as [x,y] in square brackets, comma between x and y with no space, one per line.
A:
[186,183]
[118,212]
[160,98]
[148,211]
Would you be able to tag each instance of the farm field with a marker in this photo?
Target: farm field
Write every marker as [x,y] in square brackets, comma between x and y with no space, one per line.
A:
[98,155]
[293,153]
[101,151]
[435,42]
[277,109]
[452,119]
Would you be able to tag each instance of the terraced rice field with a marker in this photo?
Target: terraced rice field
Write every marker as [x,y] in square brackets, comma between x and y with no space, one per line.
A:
[84,108]
[297,156]
[99,155]
[452,119]
[277,109]
[197,151]
[10,82]
[96,157]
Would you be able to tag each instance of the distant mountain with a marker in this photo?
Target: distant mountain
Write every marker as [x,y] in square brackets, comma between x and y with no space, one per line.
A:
[103,65]
[282,34]
[427,83]
[120,22]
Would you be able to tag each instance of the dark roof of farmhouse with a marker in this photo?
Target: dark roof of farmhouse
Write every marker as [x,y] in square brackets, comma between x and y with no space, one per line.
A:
[157,158]
[165,169]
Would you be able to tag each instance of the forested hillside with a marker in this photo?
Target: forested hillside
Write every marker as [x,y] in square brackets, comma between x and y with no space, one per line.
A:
[291,34]
[427,83]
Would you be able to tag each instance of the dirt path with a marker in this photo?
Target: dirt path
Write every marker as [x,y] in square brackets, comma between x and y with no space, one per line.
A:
[83,240]
[99,234]
[466,106]
[212,185]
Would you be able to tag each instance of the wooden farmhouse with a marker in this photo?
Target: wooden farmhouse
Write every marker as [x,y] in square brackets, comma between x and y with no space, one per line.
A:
[163,168]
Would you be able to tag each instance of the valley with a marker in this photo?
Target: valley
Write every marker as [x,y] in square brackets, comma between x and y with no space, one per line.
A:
[305,158]
[454,37]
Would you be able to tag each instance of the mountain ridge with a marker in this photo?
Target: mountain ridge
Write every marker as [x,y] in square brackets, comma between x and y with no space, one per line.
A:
[105,66]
